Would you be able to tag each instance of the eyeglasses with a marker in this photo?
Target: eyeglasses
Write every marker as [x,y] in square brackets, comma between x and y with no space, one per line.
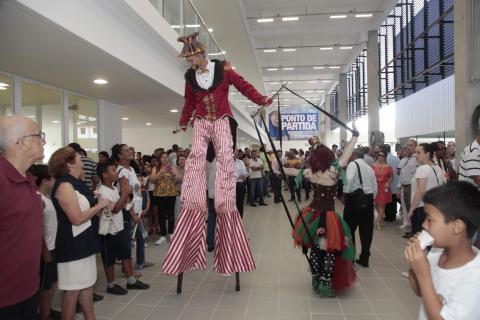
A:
[41,135]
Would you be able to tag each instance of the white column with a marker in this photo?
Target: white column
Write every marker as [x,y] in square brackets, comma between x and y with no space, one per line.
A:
[109,125]
[373,82]
[467,69]
[342,104]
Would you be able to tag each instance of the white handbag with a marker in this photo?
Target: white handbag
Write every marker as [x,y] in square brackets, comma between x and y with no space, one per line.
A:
[105,221]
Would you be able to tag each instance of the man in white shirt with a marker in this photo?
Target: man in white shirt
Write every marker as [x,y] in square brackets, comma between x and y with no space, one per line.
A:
[469,166]
[241,174]
[406,170]
[255,181]
[360,190]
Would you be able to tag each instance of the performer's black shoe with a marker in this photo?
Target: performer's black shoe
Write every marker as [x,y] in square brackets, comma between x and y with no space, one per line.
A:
[362,263]
[253,205]
[263,204]
[210,249]
[138,285]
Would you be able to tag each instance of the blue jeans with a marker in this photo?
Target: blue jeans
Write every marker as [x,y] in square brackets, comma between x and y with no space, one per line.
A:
[255,188]
[266,183]
[212,219]
[140,246]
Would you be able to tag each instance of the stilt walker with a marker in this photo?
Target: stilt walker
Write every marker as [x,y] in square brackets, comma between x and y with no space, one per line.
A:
[206,102]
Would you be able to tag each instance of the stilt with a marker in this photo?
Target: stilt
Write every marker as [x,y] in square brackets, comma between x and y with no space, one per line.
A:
[179,283]
[237,281]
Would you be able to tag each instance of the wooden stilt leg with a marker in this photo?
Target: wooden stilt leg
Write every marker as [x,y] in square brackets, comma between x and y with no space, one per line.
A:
[237,281]
[179,283]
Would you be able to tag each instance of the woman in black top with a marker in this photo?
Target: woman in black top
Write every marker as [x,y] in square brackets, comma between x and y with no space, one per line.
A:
[77,239]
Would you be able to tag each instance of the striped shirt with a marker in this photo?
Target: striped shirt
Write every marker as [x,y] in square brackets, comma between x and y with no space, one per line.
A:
[470,163]
[89,167]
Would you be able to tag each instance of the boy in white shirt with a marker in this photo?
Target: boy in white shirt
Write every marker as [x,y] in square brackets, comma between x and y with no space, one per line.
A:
[448,277]
[116,244]
[48,267]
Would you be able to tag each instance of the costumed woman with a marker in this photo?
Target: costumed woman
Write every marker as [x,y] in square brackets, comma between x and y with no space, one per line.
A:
[206,100]
[330,246]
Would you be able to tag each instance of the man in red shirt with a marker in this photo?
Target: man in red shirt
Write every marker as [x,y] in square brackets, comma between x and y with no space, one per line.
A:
[21,145]
[206,100]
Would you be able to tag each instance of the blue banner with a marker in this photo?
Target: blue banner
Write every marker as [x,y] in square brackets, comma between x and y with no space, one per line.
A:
[298,123]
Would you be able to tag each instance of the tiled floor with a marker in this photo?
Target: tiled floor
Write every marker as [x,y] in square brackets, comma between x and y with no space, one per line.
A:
[279,289]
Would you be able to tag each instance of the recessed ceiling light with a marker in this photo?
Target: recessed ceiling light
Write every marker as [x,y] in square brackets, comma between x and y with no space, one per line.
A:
[175,26]
[217,53]
[319,68]
[174,110]
[274,82]
[320,91]
[269,50]
[334,67]
[288,69]
[192,26]
[326,48]
[364,15]
[3,88]
[338,16]
[264,20]
[55,121]
[309,91]
[313,81]
[100,81]
[148,124]
[290,19]
[289,50]
[125,118]
[4,84]
[210,29]
[233,68]
[272,69]
[345,48]
[290,82]
[326,81]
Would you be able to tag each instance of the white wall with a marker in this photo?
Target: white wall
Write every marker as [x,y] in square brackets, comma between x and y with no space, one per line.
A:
[146,140]
[429,110]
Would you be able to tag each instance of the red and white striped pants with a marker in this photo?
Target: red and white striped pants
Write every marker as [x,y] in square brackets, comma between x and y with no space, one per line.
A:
[187,249]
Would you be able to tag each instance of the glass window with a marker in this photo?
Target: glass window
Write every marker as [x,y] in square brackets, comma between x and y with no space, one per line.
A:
[6,95]
[83,123]
[44,106]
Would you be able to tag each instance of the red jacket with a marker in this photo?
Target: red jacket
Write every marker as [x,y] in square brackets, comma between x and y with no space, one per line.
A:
[212,104]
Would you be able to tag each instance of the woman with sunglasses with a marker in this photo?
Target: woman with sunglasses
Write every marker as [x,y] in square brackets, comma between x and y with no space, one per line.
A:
[384,175]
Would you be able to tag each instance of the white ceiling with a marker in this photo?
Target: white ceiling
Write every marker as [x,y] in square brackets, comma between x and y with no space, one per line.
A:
[313,30]
[38,49]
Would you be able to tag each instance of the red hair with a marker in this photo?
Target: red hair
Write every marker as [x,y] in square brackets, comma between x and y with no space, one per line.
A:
[321,158]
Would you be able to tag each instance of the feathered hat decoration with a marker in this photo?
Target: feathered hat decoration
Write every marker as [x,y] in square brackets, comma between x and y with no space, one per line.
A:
[191,46]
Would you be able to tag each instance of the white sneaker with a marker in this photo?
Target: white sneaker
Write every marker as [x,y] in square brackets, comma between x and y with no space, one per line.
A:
[403,226]
[406,274]
[146,245]
[160,241]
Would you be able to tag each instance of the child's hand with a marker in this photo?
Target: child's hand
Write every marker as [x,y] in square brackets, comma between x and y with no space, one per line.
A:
[417,258]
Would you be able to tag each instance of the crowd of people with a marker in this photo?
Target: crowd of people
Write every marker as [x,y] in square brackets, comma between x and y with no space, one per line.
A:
[84,208]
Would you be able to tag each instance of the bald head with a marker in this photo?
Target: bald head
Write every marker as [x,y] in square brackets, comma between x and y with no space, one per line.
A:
[13,128]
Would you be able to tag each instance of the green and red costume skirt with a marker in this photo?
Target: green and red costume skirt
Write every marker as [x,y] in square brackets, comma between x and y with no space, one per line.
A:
[330,249]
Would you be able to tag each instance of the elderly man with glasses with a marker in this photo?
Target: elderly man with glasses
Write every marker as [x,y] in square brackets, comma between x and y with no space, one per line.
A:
[21,145]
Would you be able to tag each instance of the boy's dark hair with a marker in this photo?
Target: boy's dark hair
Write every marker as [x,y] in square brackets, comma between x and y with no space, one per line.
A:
[103,167]
[40,171]
[104,153]
[457,200]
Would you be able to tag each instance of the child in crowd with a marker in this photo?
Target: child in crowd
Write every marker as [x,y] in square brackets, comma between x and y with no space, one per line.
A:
[116,244]
[141,205]
[48,264]
[448,277]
